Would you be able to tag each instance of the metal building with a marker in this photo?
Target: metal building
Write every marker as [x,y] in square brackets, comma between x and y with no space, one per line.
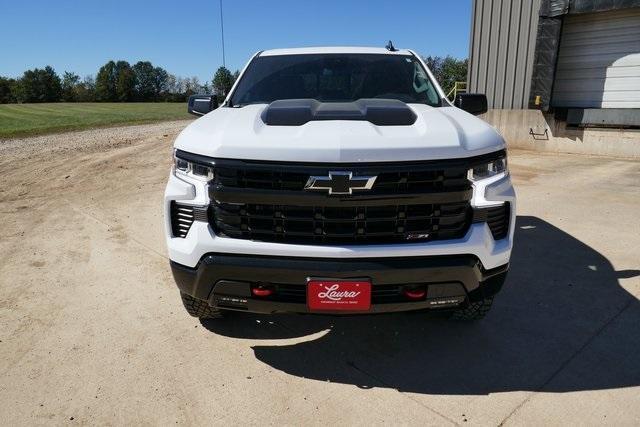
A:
[503,37]
[577,59]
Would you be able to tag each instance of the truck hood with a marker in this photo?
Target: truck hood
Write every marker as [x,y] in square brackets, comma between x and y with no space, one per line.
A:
[240,133]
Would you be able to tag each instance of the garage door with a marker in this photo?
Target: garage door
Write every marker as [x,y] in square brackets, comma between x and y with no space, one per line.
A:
[599,61]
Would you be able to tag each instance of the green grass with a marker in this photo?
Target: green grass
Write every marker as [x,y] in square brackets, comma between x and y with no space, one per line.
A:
[36,119]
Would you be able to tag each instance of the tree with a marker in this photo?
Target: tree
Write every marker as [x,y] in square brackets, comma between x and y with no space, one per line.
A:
[192,86]
[181,87]
[125,82]
[52,85]
[151,82]
[106,82]
[435,64]
[116,81]
[160,77]
[448,70]
[70,83]
[39,85]
[222,82]
[86,90]
[145,88]
[7,90]
[172,89]
[453,70]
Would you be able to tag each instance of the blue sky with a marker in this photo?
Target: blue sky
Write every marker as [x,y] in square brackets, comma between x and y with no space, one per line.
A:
[184,37]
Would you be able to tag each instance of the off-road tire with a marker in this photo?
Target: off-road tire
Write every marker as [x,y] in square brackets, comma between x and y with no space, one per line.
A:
[473,311]
[199,308]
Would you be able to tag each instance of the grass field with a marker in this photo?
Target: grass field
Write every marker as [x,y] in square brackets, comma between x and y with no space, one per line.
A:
[35,119]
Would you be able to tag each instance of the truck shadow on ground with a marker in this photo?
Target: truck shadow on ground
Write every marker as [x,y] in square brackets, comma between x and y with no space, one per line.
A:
[562,298]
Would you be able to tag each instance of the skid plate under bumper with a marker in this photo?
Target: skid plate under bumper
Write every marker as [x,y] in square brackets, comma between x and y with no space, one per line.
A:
[226,281]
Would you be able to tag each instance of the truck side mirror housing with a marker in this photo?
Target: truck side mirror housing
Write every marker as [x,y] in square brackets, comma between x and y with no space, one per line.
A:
[474,103]
[199,105]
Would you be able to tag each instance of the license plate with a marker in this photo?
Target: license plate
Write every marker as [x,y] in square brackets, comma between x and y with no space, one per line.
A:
[338,295]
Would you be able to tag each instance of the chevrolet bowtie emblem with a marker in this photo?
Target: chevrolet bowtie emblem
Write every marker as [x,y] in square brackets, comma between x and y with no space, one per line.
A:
[342,182]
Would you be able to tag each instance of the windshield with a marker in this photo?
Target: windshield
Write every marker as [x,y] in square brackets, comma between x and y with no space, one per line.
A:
[335,78]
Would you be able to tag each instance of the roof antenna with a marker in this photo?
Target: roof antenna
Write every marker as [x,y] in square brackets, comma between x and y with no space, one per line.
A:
[390,47]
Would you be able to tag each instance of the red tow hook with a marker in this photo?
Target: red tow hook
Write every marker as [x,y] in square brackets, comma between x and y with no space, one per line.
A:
[414,293]
[262,291]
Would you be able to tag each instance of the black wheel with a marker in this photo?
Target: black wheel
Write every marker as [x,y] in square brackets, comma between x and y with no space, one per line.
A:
[473,311]
[199,308]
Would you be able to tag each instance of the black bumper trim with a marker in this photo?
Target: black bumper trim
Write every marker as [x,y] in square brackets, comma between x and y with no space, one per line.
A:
[216,275]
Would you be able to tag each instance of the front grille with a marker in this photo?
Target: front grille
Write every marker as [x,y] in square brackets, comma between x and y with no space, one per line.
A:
[342,225]
[401,179]
[409,202]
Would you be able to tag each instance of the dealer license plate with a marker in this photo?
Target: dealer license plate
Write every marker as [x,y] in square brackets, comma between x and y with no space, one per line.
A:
[338,295]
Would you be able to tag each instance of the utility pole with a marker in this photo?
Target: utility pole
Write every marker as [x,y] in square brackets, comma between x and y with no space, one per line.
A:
[222,30]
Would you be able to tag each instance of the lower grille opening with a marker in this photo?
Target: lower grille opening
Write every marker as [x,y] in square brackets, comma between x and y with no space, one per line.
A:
[496,217]
[498,221]
[380,294]
[182,216]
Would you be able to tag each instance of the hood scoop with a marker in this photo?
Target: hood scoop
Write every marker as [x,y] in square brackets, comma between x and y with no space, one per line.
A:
[380,112]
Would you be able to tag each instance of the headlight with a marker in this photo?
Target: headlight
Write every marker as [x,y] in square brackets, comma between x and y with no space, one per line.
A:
[191,169]
[489,169]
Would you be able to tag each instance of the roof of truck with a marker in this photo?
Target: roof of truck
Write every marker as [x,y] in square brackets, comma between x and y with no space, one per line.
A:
[333,49]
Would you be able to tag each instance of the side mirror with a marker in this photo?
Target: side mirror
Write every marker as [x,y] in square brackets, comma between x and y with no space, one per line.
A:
[474,103]
[200,105]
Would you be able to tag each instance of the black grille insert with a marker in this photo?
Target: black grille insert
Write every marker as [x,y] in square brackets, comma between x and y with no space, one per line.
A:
[409,202]
[496,217]
[498,221]
[342,225]
[401,179]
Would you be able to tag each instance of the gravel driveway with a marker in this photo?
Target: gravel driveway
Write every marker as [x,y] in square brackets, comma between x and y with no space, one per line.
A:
[92,330]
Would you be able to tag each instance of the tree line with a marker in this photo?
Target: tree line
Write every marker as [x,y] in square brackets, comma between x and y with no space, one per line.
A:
[116,81]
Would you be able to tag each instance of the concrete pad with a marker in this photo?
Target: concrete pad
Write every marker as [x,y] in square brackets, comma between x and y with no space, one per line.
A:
[602,361]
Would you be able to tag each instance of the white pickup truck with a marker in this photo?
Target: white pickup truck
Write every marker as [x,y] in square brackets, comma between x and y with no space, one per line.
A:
[339,180]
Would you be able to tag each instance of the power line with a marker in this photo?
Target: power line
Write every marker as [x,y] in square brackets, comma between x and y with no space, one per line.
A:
[222,30]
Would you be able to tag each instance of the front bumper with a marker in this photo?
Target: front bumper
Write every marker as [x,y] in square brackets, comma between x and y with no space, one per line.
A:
[225,281]
[478,241]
